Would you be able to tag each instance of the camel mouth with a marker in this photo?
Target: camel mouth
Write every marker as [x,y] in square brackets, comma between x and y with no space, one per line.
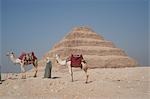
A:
[9,53]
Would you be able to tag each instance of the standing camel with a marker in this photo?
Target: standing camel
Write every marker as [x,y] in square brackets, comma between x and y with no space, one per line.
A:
[24,60]
[69,65]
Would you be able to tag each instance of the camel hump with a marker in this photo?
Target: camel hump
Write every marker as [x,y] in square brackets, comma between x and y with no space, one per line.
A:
[27,56]
[76,60]
[76,56]
[23,54]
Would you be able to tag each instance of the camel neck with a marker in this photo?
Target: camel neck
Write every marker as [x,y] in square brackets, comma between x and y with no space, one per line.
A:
[13,58]
[61,62]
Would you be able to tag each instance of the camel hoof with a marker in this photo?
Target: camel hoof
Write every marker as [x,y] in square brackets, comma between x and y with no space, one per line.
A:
[35,76]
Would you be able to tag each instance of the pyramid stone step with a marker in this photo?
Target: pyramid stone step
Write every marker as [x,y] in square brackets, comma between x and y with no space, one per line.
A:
[85,50]
[84,42]
[74,35]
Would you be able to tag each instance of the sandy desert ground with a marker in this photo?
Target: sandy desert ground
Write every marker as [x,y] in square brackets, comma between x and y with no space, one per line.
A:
[104,83]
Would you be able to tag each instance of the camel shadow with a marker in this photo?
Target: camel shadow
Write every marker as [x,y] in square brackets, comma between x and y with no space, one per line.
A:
[55,77]
[84,82]
[89,82]
[12,78]
[2,81]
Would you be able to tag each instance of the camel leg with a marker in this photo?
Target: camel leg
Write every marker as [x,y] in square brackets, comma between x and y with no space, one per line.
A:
[23,72]
[87,76]
[70,71]
[71,74]
[85,70]
[35,69]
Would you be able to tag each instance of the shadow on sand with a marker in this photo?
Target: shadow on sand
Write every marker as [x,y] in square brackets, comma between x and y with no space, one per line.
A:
[89,82]
[52,78]
[2,81]
[55,77]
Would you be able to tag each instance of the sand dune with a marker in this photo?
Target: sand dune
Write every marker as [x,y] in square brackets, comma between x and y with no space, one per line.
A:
[120,83]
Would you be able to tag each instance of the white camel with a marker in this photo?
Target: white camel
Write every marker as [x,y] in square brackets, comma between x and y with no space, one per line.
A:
[68,64]
[23,63]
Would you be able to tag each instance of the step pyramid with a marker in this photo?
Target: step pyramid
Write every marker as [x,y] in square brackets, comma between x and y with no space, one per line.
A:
[98,52]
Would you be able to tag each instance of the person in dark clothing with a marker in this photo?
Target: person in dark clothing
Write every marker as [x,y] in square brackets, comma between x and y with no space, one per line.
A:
[48,68]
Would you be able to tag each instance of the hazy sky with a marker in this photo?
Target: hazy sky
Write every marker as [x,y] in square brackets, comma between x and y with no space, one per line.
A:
[36,25]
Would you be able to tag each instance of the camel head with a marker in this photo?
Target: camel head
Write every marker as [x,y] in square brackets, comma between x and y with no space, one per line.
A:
[59,60]
[9,53]
[13,58]
[57,57]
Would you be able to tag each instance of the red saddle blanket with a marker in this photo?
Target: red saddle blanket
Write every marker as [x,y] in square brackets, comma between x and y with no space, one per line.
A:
[27,56]
[76,60]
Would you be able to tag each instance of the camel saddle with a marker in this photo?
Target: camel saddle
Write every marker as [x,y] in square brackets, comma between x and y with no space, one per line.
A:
[76,60]
[27,57]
